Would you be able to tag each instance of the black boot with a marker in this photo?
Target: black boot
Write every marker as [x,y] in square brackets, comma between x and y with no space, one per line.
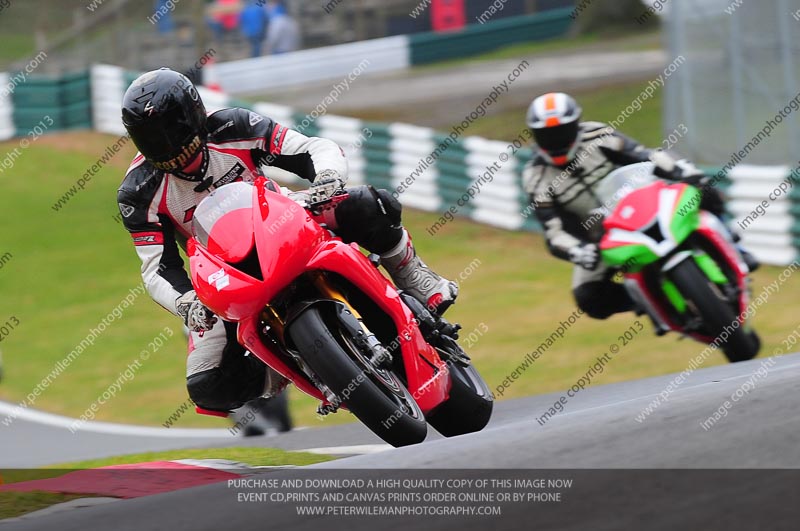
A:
[261,414]
[749,259]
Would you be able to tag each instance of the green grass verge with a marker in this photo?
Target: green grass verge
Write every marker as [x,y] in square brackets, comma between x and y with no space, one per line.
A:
[253,456]
[16,46]
[14,504]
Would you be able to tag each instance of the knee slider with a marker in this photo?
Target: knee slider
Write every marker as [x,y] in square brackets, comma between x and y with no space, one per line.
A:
[389,206]
[208,390]
[217,390]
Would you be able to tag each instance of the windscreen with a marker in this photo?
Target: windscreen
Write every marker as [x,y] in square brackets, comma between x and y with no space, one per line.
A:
[233,196]
[620,182]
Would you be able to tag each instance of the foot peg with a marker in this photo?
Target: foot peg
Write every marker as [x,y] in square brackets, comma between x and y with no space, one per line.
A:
[326,408]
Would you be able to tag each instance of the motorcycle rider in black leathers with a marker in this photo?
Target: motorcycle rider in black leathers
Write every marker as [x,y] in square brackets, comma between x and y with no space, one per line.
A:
[185,154]
[571,158]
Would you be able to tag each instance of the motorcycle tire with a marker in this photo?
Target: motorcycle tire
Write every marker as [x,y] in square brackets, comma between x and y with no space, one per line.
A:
[469,407]
[716,313]
[392,414]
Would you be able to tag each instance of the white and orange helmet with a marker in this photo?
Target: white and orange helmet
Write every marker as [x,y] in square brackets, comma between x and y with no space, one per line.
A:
[554,120]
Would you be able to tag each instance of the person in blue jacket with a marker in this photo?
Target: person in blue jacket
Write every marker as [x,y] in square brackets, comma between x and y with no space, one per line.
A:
[253,23]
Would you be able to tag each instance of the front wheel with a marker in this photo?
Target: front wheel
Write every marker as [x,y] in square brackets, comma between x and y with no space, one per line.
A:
[715,311]
[375,396]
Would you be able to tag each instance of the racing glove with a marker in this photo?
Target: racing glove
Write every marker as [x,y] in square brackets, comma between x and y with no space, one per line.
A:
[587,256]
[672,170]
[196,316]
[713,200]
[325,186]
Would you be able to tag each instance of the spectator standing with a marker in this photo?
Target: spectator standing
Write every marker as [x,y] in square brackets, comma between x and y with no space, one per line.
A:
[223,17]
[283,33]
[253,23]
[165,23]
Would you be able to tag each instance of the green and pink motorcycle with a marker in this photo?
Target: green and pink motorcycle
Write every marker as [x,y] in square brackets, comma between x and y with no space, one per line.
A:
[678,262]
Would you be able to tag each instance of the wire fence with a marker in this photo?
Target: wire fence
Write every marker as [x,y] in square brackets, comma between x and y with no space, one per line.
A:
[741,70]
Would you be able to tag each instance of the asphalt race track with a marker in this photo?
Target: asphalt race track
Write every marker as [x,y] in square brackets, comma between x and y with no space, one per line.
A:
[596,432]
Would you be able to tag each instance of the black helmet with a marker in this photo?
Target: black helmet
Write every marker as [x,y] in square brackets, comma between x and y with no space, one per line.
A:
[554,120]
[166,119]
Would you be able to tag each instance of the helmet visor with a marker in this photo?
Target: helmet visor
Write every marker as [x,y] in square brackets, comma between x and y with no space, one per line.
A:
[168,141]
[556,140]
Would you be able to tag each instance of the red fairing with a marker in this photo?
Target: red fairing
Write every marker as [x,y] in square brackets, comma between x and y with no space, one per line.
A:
[286,240]
[284,235]
[289,243]
[630,214]
[227,291]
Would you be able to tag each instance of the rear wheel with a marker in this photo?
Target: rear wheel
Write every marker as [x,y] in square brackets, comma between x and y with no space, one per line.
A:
[469,407]
[715,311]
[374,395]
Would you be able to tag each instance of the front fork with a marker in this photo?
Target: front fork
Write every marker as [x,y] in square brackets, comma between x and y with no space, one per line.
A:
[378,355]
[637,290]
[642,301]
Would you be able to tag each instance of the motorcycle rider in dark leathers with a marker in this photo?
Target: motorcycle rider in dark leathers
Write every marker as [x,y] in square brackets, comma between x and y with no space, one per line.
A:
[570,159]
[185,154]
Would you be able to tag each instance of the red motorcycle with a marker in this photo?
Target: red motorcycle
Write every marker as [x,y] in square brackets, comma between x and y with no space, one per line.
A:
[319,312]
